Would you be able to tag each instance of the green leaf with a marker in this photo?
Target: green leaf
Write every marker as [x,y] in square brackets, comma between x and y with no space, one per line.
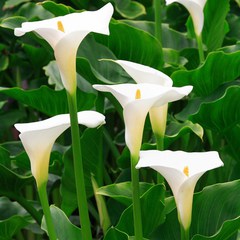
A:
[4,62]
[54,78]
[12,22]
[11,226]
[92,164]
[221,114]
[13,3]
[215,25]
[216,211]
[218,202]
[176,129]
[56,9]
[49,101]
[226,232]
[170,38]
[115,234]
[128,8]
[134,48]
[63,227]
[38,56]
[214,29]
[218,68]
[152,212]
[105,222]
[122,192]
[12,183]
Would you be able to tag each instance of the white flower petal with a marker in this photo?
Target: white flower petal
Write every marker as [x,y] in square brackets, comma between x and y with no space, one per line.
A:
[195,8]
[39,137]
[144,74]
[66,40]
[135,110]
[66,58]
[172,166]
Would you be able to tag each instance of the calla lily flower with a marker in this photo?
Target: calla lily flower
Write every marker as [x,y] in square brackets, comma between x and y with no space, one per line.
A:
[65,33]
[144,74]
[182,171]
[38,138]
[137,100]
[195,8]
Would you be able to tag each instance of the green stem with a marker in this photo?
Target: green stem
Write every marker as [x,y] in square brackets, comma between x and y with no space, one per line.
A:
[78,169]
[158,22]
[184,233]
[42,191]
[200,48]
[136,199]
[160,147]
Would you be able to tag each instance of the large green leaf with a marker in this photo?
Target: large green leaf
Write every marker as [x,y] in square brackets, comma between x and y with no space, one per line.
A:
[152,212]
[128,8]
[93,68]
[221,114]
[214,23]
[63,227]
[218,68]
[11,183]
[215,205]
[49,101]
[215,214]
[12,22]
[92,164]
[122,192]
[57,9]
[115,234]
[13,3]
[215,26]
[11,226]
[170,37]
[134,48]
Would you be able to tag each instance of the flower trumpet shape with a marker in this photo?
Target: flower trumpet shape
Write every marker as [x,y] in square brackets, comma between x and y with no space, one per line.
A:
[137,100]
[144,74]
[195,8]
[38,138]
[182,171]
[65,34]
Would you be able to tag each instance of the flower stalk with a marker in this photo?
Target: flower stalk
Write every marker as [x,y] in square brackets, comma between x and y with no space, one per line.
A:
[200,48]
[42,191]
[158,22]
[184,233]
[136,198]
[78,168]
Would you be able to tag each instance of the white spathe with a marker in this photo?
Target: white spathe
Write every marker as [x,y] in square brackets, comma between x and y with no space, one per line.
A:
[38,138]
[145,74]
[65,33]
[182,171]
[195,8]
[135,110]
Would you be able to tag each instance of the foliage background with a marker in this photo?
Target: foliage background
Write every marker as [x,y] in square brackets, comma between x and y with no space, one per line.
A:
[208,119]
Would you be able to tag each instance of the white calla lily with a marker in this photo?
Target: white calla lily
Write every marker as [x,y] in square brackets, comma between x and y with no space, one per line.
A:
[195,8]
[182,171]
[65,33]
[137,100]
[144,74]
[38,138]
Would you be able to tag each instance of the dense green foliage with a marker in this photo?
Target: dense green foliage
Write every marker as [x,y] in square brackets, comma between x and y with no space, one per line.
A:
[207,119]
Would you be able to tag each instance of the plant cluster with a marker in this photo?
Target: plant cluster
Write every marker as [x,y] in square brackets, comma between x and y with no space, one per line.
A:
[112,114]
